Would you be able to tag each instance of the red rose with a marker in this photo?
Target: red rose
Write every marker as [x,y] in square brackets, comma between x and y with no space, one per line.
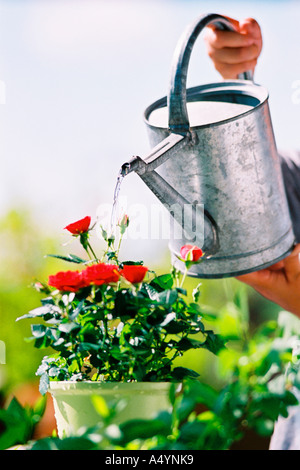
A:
[133,273]
[67,281]
[101,273]
[191,253]
[81,226]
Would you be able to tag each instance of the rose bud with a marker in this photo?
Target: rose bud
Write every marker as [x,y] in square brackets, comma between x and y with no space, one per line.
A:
[191,253]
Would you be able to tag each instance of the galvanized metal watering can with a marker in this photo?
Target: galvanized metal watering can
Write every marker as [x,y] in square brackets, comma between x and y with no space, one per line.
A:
[215,158]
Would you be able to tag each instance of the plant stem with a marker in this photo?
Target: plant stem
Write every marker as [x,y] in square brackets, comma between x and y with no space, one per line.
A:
[119,245]
[92,251]
[184,276]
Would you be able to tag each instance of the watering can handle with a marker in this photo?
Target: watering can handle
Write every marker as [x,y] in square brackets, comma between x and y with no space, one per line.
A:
[178,116]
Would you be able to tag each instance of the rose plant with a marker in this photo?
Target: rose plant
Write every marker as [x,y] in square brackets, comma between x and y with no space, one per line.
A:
[114,321]
[117,321]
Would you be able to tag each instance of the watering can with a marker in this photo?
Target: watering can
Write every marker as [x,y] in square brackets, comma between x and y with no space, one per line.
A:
[214,159]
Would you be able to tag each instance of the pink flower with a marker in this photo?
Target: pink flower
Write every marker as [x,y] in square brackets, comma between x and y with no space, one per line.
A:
[191,253]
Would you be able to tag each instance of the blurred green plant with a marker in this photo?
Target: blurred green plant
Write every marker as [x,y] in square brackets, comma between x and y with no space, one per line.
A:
[21,243]
[17,422]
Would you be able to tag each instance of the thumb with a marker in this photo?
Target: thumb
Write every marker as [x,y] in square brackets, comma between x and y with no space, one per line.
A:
[250,27]
[287,269]
[292,264]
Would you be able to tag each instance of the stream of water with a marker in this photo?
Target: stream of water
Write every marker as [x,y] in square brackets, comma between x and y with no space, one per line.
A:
[114,212]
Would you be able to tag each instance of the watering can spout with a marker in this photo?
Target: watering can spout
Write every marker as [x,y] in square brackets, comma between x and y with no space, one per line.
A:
[135,164]
[196,223]
[158,155]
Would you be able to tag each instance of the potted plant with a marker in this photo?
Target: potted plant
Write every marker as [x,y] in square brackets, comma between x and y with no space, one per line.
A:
[116,329]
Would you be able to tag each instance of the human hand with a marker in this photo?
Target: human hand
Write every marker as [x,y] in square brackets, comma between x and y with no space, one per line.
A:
[234,52]
[279,283]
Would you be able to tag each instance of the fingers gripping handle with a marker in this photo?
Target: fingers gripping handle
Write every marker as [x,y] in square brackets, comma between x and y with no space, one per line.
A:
[178,116]
[228,26]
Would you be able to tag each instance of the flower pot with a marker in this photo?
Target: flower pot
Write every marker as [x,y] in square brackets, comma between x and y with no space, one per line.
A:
[74,408]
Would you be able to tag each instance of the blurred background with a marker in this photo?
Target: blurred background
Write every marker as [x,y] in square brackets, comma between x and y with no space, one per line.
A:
[75,79]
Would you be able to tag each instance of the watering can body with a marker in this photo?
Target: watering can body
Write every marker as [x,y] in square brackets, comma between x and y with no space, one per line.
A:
[213,147]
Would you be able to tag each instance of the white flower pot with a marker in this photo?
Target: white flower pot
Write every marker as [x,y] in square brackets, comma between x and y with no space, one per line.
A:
[74,408]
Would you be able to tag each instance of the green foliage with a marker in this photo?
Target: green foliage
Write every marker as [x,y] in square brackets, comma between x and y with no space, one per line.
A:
[119,334]
[17,423]
[21,243]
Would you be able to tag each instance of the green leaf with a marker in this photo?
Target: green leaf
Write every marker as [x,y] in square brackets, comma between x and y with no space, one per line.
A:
[77,310]
[184,406]
[100,406]
[186,343]
[163,282]
[70,258]
[264,427]
[84,237]
[180,373]
[194,308]
[126,304]
[38,331]
[68,327]
[17,425]
[104,233]
[203,393]
[157,316]
[142,429]
[241,301]
[190,430]
[167,297]
[151,291]
[68,443]
[132,263]
[88,347]
[214,342]
[41,311]
[174,327]
[172,393]
[44,384]
[40,406]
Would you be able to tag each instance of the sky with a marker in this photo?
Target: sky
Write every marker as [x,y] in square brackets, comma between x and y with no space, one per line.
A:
[76,77]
